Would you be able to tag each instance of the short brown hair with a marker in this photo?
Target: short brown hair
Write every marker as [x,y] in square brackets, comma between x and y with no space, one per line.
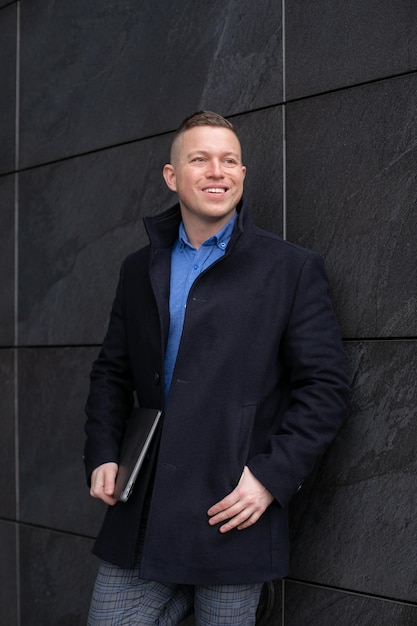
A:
[204,118]
[201,118]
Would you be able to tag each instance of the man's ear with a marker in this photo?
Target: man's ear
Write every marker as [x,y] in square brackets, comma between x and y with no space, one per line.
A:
[169,175]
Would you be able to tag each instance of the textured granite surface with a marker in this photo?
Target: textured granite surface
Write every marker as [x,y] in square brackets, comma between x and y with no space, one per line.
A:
[7,260]
[314,606]
[352,195]
[53,387]
[8,574]
[355,527]
[78,220]
[98,73]
[7,413]
[8,20]
[332,43]
[57,573]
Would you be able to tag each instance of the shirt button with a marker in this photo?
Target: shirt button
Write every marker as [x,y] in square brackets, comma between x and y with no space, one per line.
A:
[196,267]
[157,378]
[223,245]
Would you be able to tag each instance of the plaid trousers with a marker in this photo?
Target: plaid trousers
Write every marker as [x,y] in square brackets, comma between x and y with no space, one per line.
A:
[121,598]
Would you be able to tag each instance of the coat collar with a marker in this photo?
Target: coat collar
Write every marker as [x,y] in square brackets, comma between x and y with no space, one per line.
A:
[162,229]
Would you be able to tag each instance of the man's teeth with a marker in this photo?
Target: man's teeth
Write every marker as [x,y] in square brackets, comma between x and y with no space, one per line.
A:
[214,190]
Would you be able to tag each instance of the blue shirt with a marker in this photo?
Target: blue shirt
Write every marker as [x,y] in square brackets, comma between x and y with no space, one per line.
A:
[187,263]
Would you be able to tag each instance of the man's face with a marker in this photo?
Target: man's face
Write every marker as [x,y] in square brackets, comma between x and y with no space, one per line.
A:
[207,173]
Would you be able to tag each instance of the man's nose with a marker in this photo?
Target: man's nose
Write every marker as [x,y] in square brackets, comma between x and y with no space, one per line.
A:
[215,168]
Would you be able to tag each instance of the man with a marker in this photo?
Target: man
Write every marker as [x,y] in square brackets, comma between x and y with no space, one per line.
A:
[230,330]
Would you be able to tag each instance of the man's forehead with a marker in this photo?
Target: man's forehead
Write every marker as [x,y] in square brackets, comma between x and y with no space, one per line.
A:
[207,138]
[187,140]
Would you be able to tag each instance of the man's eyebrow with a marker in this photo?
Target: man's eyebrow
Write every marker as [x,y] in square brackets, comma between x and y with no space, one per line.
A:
[208,152]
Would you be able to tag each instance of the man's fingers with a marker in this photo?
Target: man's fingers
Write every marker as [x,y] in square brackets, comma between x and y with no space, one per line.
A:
[224,504]
[237,514]
[102,483]
[243,506]
[223,508]
[244,519]
[252,519]
[109,482]
[223,514]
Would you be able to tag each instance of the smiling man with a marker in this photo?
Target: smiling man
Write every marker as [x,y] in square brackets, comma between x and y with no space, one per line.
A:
[207,173]
[230,330]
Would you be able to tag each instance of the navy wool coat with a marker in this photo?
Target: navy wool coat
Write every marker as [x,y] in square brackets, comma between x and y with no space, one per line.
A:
[260,380]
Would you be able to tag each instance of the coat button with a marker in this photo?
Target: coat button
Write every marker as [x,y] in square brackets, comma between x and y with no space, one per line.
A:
[157,378]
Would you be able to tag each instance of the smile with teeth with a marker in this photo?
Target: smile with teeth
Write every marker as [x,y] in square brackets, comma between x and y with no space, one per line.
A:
[214,190]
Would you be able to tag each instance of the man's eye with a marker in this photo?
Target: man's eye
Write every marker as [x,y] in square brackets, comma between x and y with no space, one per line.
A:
[230,162]
[198,160]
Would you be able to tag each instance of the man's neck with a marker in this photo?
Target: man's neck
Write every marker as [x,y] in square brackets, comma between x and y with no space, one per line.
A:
[198,231]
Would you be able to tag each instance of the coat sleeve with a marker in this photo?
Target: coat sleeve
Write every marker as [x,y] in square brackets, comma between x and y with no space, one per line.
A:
[110,399]
[314,362]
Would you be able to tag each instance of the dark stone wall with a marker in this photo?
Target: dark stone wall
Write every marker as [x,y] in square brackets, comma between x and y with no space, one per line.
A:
[324,97]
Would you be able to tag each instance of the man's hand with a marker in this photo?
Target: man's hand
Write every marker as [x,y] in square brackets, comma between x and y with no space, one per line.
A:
[102,483]
[243,506]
